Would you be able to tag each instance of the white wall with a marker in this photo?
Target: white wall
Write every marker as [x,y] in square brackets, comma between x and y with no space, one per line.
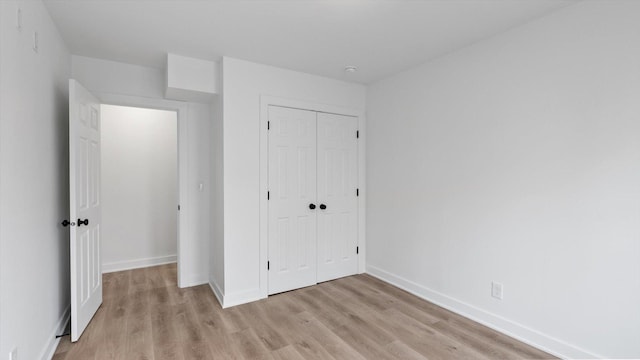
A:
[199,201]
[139,187]
[104,76]
[107,78]
[191,79]
[243,84]
[518,160]
[34,195]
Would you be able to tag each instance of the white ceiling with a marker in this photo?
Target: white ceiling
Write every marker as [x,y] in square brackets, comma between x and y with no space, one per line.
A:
[319,37]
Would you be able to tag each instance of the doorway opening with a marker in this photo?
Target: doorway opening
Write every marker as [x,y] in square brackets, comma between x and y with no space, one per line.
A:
[140,192]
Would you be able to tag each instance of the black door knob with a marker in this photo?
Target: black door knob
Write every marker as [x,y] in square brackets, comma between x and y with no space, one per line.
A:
[323,206]
[312,206]
[66,223]
[83,222]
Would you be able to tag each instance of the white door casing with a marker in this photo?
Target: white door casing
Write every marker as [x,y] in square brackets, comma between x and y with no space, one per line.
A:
[337,191]
[292,188]
[85,201]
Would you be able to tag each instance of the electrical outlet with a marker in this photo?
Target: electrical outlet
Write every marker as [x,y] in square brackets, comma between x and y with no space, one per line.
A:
[13,355]
[496,290]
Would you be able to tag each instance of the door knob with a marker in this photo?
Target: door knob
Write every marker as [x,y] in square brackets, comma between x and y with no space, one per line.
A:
[66,223]
[323,206]
[312,206]
[83,222]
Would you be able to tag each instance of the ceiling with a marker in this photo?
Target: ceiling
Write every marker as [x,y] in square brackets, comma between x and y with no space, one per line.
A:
[320,37]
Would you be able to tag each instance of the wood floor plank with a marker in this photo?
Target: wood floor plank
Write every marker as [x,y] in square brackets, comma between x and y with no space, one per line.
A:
[196,351]
[186,323]
[287,353]
[311,349]
[424,339]
[329,340]
[168,351]
[162,325]
[259,322]
[360,316]
[139,282]
[222,346]
[478,343]
[522,350]
[249,345]
[139,338]
[439,313]
[402,351]
[113,345]
[145,316]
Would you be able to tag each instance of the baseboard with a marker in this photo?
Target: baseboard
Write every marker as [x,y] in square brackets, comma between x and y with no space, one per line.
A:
[243,297]
[137,263]
[51,345]
[217,292]
[195,281]
[510,328]
[235,299]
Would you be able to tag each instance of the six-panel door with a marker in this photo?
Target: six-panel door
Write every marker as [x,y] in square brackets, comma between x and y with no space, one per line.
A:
[85,206]
[292,188]
[337,184]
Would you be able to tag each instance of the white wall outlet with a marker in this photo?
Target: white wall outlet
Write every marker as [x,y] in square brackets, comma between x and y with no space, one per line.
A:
[13,355]
[496,290]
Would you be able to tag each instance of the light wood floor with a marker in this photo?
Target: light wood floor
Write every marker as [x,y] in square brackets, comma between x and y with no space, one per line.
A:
[145,316]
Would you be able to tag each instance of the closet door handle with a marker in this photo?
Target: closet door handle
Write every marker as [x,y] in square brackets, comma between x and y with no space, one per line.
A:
[312,206]
[84,222]
[323,206]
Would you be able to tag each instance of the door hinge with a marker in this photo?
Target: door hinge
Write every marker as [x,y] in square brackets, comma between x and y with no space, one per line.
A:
[268,265]
[268,125]
[178,207]
[357,192]
[268,195]
[357,249]
[357,134]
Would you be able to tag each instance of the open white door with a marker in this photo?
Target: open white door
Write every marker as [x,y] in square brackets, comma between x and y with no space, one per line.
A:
[84,190]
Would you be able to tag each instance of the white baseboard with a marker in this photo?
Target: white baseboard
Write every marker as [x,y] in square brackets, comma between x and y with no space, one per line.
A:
[137,263]
[508,327]
[51,345]
[240,298]
[229,300]
[195,281]
[217,292]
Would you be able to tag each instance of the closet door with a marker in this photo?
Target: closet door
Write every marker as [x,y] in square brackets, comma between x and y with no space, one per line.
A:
[338,203]
[292,189]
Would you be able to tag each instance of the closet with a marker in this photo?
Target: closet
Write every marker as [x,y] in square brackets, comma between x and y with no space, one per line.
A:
[313,197]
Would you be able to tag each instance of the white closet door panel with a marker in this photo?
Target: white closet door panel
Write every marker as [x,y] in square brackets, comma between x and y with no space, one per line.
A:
[337,184]
[292,188]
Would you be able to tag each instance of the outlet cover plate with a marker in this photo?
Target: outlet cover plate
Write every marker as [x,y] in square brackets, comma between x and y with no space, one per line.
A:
[496,290]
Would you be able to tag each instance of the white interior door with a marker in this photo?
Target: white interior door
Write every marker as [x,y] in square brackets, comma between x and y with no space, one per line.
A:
[84,190]
[337,198]
[292,189]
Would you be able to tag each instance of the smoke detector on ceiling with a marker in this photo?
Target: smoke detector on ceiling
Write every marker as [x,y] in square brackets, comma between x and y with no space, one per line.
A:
[350,69]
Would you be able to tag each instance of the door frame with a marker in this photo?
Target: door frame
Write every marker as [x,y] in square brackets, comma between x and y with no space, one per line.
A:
[181,110]
[265,102]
